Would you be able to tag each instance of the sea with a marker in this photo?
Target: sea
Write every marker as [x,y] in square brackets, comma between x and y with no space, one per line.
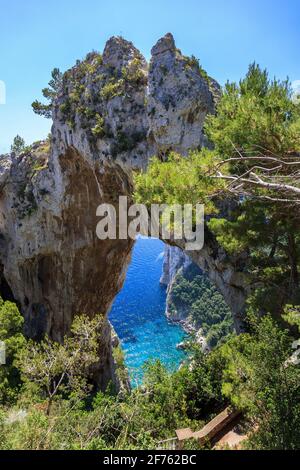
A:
[138,313]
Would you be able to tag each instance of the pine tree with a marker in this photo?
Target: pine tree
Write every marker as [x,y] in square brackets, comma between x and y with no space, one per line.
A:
[50,94]
[18,145]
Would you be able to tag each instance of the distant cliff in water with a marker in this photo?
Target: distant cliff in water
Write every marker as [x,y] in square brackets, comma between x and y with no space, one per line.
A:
[193,301]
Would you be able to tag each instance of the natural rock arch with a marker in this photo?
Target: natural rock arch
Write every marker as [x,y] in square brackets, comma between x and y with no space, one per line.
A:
[52,260]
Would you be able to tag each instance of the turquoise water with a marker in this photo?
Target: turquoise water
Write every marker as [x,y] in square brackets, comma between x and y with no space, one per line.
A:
[138,313]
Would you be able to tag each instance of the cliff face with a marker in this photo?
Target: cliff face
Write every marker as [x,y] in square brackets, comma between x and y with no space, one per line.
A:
[174,259]
[112,113]
[228,275]
[52,260]
[193,301]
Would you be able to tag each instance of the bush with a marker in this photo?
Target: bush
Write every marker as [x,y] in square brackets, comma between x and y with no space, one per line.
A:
[11,334]
[98,130]
[112,89]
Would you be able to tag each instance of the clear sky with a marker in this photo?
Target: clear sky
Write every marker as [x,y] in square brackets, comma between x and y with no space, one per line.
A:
[226,35]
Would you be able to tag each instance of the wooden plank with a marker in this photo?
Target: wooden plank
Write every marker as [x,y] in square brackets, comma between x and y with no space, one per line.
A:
[183,434]
[216,425]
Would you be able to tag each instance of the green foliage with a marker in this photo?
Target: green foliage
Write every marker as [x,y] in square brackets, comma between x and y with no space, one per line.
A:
[98,130]
[259,379]
[134,73]
[31,433]
[50,94]
[271,241]
[193,62]
[41,109]
[66,109]
[258,115]
[121,369]
[292,315]
[60,369]
[201,382]
[256,118]
[166,402]
[133,421]
[253,371]
[11,326]
[89,66]
[112,89]
[35,161]
[193,293]
[18,145]
[177,180]
[55,409]
[125,142]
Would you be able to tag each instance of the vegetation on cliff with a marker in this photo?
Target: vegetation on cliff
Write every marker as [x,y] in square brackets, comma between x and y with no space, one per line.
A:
[80,96]
[255,135]
[250,185]
[18,145]
[252,371]
[194,298]
[49,93]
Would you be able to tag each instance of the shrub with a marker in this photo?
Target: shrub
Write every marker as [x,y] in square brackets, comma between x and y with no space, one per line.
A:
[112,89]
[98,130]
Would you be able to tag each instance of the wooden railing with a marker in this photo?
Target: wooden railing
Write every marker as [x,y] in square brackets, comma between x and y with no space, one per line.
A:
[207,434]
[216,425]
[168,444]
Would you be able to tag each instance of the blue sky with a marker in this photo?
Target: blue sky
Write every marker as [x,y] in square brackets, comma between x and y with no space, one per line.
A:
[38,35]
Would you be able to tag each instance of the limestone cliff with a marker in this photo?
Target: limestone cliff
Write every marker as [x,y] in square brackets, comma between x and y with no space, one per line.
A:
[112,113]
[174,259]
[193,301]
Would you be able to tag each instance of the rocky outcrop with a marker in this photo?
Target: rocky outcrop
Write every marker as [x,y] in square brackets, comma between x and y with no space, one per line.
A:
[174,259]
[175,262]
[176,111]
[52,260]
[229,275]
[112,113]
[193,301]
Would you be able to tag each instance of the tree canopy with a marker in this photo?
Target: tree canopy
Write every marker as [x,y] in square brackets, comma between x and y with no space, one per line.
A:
[18,145]
[253,170]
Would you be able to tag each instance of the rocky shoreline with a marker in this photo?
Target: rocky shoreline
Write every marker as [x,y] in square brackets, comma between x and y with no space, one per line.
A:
[192,332]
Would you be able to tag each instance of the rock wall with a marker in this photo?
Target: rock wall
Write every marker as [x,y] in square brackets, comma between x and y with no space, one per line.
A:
[211,319]
[229,275]
[52,260]
[112,113]
[174,259]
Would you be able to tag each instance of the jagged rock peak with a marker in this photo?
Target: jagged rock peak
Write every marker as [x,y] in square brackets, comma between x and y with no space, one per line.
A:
[118,52]
[179,99]
[167,43]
